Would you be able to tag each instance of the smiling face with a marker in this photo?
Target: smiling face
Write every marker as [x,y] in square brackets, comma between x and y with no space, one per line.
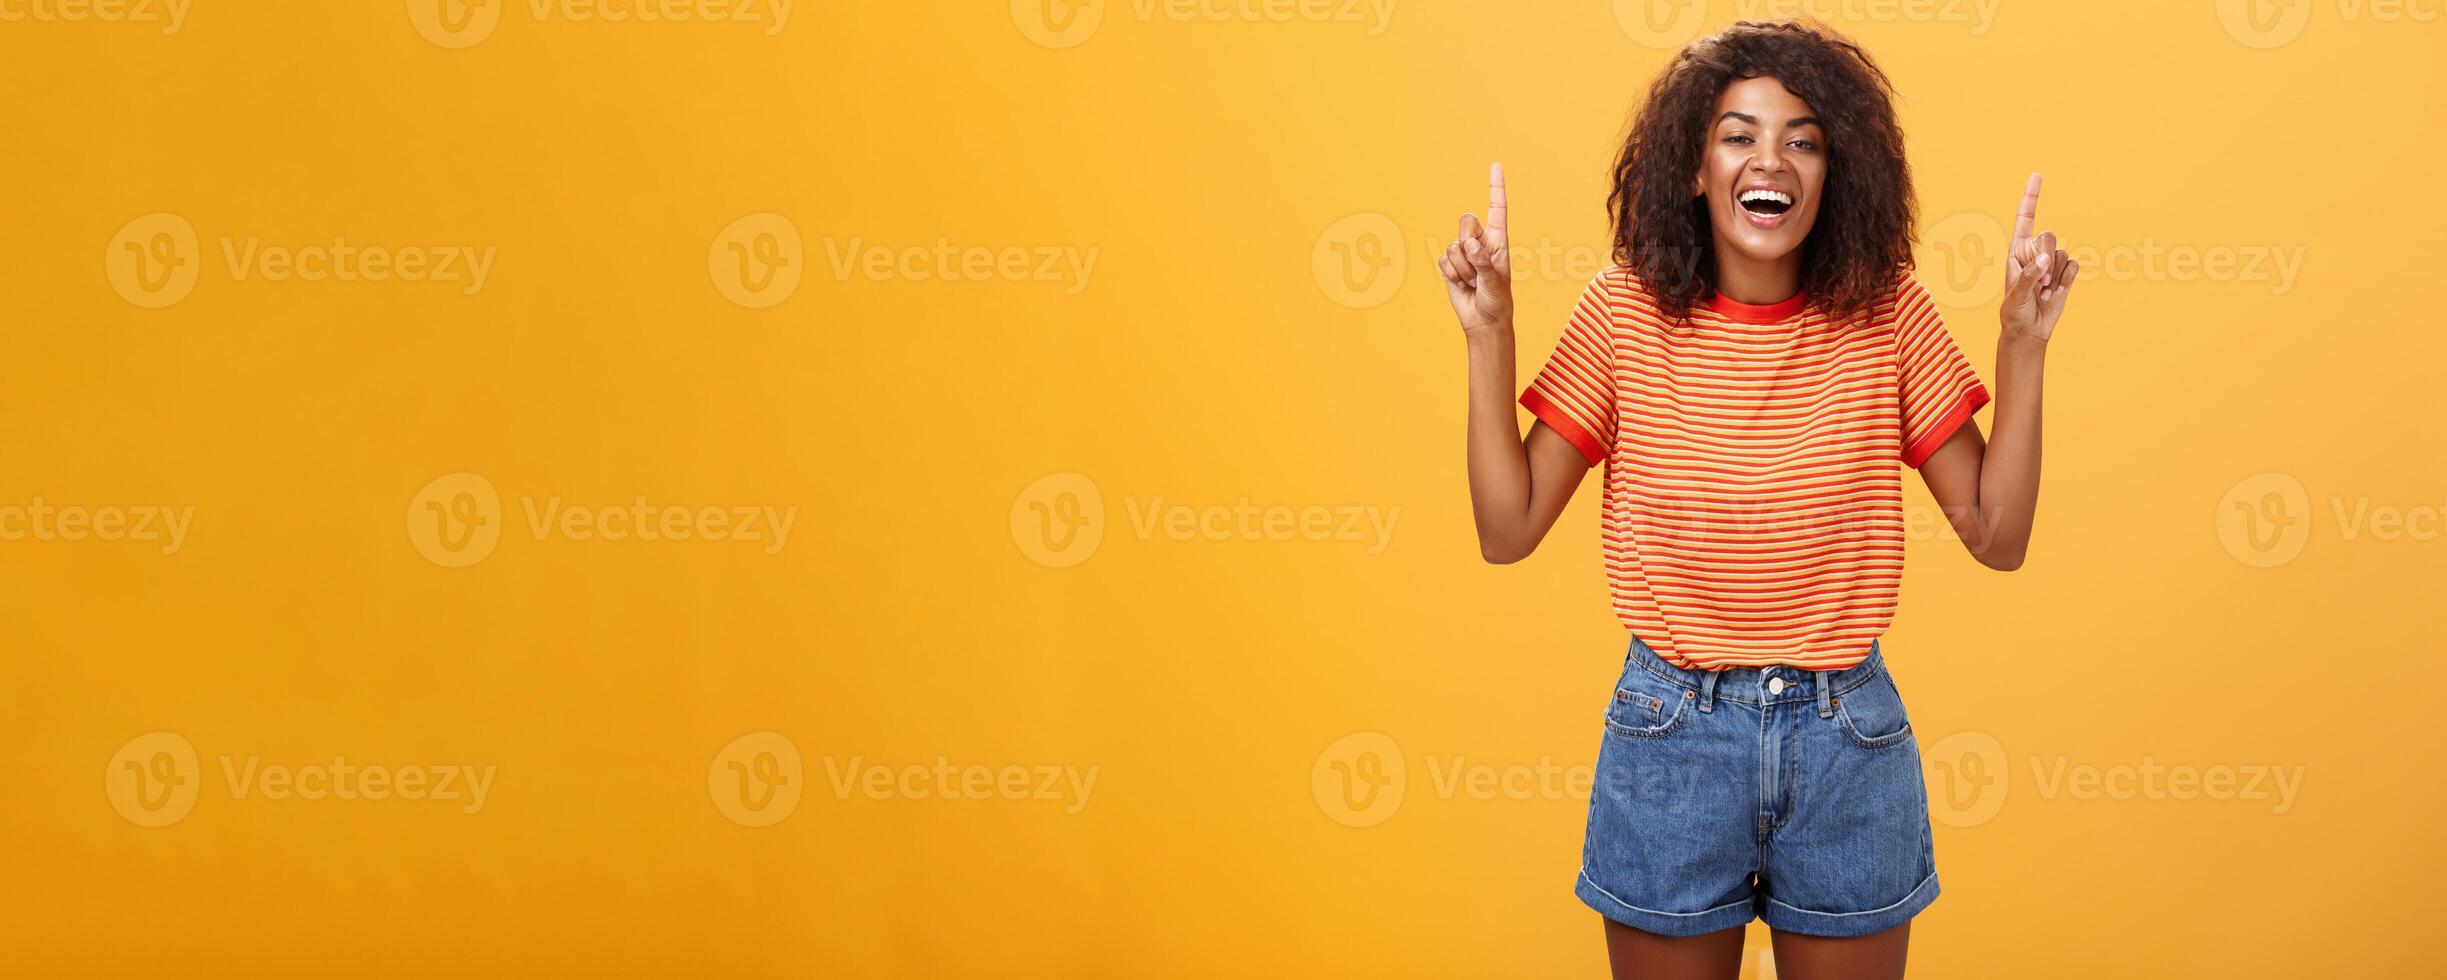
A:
[1762,171]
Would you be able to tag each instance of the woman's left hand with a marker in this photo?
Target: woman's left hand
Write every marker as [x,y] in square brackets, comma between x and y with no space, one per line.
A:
[2038,276]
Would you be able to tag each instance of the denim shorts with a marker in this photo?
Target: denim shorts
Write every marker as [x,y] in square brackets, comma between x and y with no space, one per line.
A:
[1776,793]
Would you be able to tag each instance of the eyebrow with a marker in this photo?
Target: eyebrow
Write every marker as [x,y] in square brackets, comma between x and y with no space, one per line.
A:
[1754,120]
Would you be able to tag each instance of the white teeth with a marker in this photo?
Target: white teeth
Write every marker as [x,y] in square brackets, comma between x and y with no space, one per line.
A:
[1762,194]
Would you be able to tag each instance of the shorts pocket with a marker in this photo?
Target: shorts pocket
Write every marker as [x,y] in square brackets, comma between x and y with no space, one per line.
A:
[1871,714]
[1644,707]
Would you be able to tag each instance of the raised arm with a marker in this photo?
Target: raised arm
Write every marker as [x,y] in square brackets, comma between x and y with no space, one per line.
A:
[1517,486]
[1989,491]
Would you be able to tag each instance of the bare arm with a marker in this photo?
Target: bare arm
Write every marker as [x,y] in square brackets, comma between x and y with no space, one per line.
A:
[1517,486]
[1989,491]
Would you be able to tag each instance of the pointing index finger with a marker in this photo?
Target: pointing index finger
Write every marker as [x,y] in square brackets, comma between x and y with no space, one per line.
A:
[2029,214]
[1495,197]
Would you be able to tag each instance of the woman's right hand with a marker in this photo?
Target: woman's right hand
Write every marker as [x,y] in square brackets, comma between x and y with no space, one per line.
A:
[1478,267]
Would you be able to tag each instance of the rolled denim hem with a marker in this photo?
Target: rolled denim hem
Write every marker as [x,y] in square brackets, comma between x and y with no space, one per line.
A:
[1863,923]
[1716,919]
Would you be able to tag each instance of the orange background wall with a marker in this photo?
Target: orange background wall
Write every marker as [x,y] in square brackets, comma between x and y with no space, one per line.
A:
[1095,359]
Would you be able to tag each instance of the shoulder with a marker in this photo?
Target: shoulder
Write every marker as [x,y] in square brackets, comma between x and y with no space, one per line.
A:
[1622,289]
[1905,302]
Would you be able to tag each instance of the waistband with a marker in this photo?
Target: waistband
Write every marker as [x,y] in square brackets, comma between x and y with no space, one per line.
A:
[1762,685]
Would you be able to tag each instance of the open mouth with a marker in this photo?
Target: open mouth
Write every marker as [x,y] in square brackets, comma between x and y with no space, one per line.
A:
[1759,200]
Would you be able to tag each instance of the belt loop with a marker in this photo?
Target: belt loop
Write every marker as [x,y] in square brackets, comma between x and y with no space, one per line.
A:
[1707,689]
[1825,681]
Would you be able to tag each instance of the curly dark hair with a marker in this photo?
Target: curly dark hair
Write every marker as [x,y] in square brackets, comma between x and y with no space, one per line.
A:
[1864,233]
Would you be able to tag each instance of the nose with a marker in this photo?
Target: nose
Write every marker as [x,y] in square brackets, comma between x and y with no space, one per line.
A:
[1770,159]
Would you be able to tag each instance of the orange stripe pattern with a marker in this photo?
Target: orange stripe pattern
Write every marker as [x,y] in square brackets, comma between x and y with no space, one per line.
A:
[1753,509]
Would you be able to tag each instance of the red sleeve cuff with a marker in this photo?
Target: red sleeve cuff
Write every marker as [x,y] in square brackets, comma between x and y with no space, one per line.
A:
[1926,446]
[1555,418]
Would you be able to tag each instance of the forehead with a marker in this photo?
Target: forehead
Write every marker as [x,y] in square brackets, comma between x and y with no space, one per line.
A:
[1762,98]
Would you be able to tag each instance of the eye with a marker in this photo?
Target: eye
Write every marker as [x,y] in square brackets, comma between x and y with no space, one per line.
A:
[1803,144]
[1738,139]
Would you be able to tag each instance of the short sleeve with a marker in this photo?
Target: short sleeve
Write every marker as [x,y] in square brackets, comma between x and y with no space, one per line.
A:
[1574,393]
[1940,391]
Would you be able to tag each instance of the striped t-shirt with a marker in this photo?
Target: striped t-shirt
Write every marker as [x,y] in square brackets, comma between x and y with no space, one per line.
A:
[1753,509]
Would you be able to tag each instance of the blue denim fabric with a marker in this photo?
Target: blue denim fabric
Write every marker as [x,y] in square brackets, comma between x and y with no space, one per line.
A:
[1778,793]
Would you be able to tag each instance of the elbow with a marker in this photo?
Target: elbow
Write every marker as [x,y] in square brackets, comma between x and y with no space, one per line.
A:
[1501,552]
[2002,559]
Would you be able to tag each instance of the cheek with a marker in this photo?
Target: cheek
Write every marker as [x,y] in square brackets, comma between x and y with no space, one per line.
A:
[1717,169]
[1816,190]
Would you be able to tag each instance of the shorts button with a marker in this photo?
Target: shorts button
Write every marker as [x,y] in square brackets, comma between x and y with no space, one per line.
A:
[1775,685]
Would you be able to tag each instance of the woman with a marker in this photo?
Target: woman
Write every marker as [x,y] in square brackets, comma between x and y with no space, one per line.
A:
[1750,374]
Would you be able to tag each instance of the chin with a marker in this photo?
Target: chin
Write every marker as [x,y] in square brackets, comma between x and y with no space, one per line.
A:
[1767,251]
[1760,245]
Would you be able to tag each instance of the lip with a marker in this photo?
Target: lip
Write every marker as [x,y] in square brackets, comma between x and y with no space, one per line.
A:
[1764,222]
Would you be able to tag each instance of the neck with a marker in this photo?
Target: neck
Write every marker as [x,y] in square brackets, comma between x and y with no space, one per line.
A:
[1761,283]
